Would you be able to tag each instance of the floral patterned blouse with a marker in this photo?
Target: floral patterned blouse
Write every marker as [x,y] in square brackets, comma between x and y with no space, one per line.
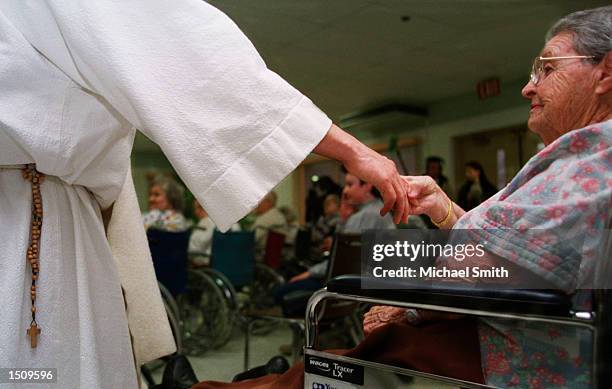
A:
[563,194]
[169,220]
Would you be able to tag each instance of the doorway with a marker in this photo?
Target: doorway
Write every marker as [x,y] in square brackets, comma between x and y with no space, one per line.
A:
[501,152]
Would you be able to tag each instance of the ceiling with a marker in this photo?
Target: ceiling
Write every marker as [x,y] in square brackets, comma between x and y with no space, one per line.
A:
[352,55]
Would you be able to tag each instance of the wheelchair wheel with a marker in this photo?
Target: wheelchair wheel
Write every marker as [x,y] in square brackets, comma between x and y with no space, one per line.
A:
[171,308]
[227,288]
[266,279]
[175,326]
[169,301]
[206,316]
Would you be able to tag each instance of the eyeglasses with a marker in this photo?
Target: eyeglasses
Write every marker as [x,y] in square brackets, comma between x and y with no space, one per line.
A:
[538,72]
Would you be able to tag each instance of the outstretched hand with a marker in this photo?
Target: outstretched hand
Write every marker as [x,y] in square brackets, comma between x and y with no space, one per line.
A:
[369,166]
[381,172]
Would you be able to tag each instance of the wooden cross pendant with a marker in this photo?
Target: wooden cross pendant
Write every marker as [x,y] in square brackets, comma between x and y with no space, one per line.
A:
[33,333]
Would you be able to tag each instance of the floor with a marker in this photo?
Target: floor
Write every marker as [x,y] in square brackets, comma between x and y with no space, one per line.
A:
[223,364]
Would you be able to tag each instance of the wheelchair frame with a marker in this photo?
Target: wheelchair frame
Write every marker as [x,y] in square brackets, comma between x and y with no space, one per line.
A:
[575,318]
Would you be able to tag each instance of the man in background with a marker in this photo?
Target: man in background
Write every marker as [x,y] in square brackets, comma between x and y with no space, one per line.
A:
[433,169]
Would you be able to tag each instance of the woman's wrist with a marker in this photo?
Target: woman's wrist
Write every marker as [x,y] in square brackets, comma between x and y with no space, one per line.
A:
[448,220]
[440,211]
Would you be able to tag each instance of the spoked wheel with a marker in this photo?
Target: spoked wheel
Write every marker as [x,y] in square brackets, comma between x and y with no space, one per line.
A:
[227,288]
[169,302]
[172,311]
[205,314]
[266,279]
[261,296]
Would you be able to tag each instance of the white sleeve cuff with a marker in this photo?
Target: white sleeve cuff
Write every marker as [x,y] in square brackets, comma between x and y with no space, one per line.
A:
[251,177]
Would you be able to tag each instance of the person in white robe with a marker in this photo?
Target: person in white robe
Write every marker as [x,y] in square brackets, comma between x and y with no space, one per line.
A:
[76,79]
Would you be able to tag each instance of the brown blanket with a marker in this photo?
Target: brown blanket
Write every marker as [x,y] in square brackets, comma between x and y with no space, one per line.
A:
[448,348]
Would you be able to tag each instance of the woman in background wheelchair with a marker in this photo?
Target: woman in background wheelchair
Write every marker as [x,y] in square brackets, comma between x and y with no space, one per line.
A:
[563,194]
[166,203]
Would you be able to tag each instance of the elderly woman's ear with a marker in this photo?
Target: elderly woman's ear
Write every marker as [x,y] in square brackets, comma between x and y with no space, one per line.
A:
[604,85]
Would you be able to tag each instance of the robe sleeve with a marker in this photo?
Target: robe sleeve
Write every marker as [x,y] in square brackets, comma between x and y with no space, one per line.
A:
[187,77]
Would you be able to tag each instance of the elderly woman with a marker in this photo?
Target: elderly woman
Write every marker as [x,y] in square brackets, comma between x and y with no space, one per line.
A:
[166,203]
[563,193]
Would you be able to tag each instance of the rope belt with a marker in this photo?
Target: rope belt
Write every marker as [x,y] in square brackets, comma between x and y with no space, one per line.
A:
[30,173]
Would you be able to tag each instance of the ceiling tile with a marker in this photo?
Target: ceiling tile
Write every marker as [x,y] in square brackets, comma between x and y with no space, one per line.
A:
[351,54]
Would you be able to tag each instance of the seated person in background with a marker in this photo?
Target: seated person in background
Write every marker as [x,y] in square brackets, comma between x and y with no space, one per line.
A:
[433,169]
[268,217]
[366,200]
[345,211]
[166,201]
[322,187]
[564,192]
[304,280]
[326,225]
[200,241]
[292,227]
[476,189]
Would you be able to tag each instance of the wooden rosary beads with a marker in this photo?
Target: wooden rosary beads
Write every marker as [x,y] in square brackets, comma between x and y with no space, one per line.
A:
[31,174]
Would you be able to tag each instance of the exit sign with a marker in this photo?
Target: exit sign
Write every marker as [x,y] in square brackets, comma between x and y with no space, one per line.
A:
[488,88]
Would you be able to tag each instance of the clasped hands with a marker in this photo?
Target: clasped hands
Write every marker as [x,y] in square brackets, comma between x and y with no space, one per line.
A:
[403,195]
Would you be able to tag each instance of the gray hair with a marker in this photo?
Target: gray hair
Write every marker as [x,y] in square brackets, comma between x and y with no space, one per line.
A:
[174,191]
[591,31]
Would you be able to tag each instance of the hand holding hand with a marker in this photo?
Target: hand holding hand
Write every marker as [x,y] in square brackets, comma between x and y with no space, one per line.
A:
[370,167]
[424,194]
[426,197]
[381,172]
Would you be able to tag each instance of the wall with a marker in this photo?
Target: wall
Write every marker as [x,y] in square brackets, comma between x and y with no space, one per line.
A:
[456,116]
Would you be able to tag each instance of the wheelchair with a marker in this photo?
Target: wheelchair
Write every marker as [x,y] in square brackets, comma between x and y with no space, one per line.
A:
[180,374]
[207,311]
[201,303]
[547,306]
[345,248]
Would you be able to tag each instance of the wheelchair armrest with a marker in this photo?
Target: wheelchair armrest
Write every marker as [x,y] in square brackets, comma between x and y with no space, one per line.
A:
[517,301]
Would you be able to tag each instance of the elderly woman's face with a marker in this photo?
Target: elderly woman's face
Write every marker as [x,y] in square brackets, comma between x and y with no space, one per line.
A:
[564,98]
[158,199]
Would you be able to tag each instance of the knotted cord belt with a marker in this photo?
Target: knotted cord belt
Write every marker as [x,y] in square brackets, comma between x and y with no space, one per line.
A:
[33,254]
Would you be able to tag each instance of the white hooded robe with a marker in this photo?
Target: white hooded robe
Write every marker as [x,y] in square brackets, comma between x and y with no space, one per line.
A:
[76,78]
